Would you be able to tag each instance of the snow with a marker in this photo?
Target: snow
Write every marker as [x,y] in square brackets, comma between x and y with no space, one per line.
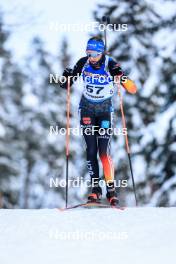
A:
[166,186]
[135,235]
[140,168]
[162,6]
[30,101]
[2,130]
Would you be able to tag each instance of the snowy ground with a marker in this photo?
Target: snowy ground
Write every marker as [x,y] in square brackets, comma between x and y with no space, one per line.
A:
[136,235]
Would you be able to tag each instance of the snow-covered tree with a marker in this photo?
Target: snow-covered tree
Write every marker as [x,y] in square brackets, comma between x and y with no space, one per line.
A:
[10,95]
[147,50]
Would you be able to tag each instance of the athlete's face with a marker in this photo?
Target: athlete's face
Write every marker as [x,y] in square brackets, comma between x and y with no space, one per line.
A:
[94,59]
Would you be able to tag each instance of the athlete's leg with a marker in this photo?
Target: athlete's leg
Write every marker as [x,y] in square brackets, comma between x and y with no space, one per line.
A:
[104,138]
[87,121]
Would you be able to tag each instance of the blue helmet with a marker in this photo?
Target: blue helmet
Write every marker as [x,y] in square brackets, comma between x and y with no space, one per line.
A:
[95,45]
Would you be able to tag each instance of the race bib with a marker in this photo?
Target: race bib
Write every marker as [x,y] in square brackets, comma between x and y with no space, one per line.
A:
[98,93]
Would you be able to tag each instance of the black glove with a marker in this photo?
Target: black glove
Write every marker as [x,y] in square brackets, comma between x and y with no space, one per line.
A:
[66,73]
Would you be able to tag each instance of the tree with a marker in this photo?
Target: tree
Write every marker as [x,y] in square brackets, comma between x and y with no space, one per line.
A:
[142,49]
[10,95]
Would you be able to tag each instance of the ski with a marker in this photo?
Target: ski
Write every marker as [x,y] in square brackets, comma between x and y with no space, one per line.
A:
[91,205]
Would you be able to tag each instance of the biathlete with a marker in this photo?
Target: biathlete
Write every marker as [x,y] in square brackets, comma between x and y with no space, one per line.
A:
[98,71]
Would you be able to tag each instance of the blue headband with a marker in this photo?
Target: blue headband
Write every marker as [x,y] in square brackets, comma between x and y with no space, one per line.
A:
[95,45]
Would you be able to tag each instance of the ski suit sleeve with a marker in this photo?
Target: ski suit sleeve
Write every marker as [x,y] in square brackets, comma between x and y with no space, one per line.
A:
[116,70]
[75,73]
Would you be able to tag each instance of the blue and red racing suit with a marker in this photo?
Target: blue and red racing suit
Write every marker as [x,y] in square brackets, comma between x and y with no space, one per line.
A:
[96,111]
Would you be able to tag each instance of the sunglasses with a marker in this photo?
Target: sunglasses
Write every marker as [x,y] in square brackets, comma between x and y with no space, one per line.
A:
[93,54]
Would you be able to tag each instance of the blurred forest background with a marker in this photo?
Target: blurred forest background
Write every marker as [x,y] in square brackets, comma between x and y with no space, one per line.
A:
[29,155]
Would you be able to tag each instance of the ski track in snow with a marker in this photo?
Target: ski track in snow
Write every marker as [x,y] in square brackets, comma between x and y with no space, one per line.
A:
[142,235]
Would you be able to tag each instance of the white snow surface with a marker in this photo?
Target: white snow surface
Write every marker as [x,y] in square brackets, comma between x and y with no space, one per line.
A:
[135,235]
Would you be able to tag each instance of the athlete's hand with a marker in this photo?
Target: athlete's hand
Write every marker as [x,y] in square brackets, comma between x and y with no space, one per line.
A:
[130,86]
[67,72]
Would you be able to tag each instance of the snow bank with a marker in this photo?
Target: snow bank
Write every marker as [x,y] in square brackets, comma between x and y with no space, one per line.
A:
[48,236]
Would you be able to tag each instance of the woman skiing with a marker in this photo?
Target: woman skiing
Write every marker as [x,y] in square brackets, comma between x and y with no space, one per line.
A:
[96,111]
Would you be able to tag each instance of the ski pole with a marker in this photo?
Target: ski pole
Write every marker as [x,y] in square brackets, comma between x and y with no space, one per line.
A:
[67,139]
[106,21]
[126,139]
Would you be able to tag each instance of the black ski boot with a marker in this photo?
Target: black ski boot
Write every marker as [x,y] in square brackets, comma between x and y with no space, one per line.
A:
[95,196]
[111,194]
